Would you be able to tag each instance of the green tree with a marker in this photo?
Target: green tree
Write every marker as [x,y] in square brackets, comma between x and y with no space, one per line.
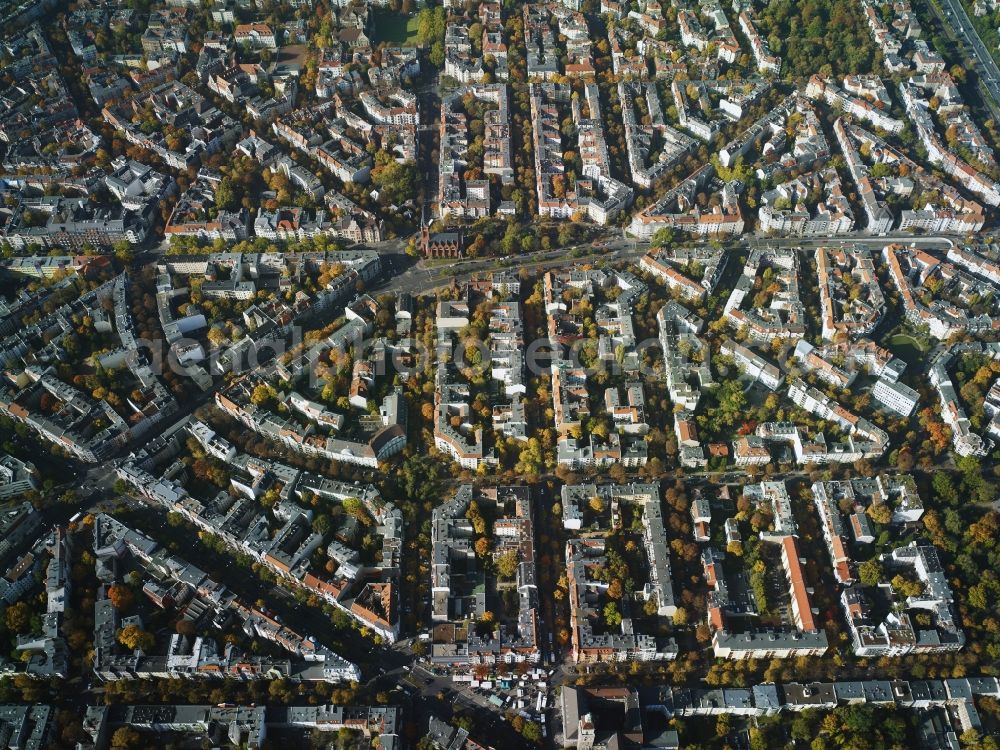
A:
[870,572]
[612,616]
[436,55]
[124,251]
[227,196]
[532,731]
[396,182]
[321,524]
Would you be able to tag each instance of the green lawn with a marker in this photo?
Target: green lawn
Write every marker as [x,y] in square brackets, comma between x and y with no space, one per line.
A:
[907,348]
[394,28]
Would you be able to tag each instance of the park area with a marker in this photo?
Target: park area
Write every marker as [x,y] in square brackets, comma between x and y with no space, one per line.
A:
[395,28]
[908,348]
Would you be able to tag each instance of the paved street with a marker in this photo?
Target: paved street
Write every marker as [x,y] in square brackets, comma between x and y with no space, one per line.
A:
[417,279]
[960,23]
[420,278]
[566,487]
[396,667]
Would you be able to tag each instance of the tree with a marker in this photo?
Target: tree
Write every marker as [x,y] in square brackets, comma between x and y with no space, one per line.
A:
[531,731]
[18,618]
[616,473]
[615,589]
[437,54]
[125,738]
[907,587]
[133,637]
[978,597]
[227,197]
[880,513]
[124,251]
[430,25]
[611,615]
[121,596]
[944,488]
[353,506]
[821,36]
[870,572]
[396,182]
[984,532]
[216,336]
[261,394]
[476,33]
[421,478]
[507,564]
[322,524]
